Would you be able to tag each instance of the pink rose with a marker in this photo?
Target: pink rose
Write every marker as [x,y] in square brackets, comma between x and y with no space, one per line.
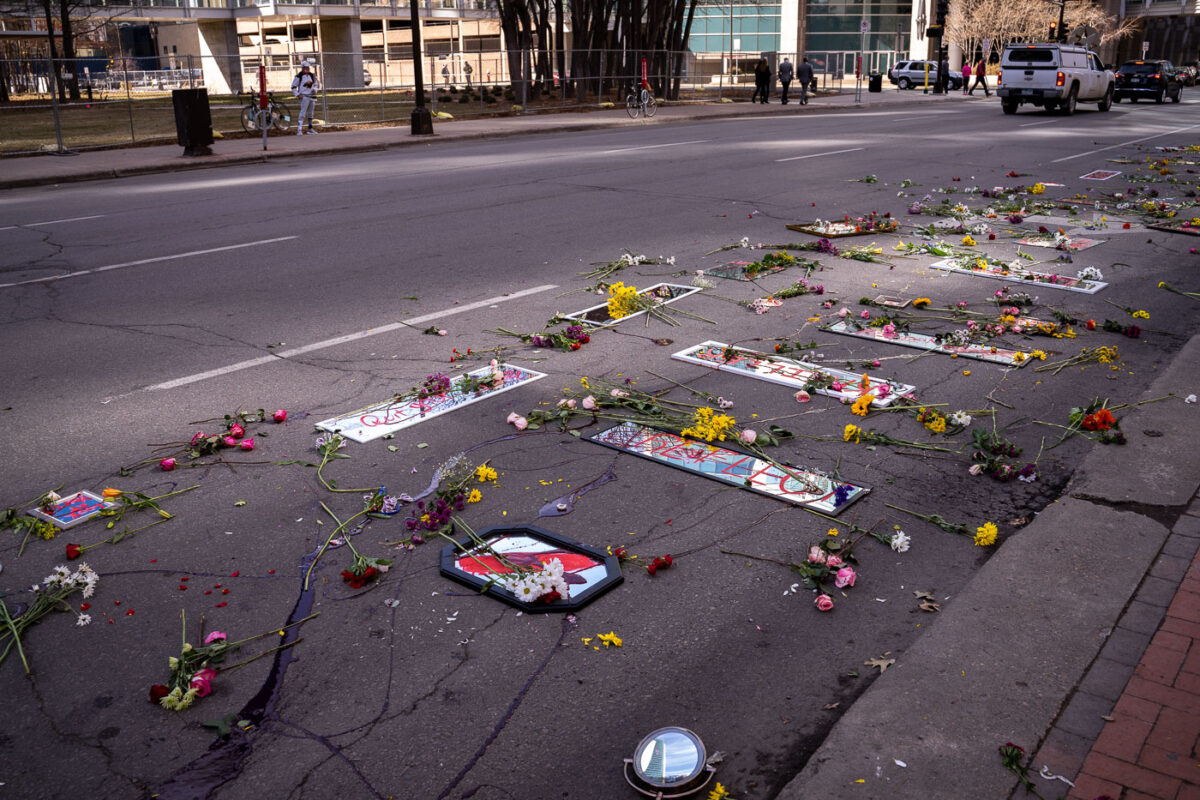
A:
[836,386]
[167,464]
[571,403]
[833,562]
[520,423]
[889,331]
[589,403]
[202,682]
[215,636]
[441,333]
[749,437]
[824,602]
[198,438]
[882,391]
[229,441]
[237,431]
[976,469]
[845,312]
[865,314]
[619,393]
[247,444]
[875,363]
[803,396]
[279,416]
[816,555]
[512,418]
[845,577]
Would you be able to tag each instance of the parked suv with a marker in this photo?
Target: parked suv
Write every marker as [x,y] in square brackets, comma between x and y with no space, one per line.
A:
[1053,76]
[1155,80]
[910,74]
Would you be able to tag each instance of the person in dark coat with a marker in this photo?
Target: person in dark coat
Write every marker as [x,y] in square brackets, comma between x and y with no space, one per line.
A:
[786,73]
[804,74]
[762,80]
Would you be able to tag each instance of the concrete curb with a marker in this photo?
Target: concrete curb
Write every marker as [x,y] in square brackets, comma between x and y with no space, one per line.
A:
[975,680]
[177,163]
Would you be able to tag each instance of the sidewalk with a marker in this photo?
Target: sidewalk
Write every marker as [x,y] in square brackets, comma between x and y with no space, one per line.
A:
[1079,640]
[122,162]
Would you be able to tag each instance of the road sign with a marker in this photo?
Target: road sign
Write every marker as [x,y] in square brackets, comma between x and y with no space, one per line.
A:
[864,26]
[1145,48]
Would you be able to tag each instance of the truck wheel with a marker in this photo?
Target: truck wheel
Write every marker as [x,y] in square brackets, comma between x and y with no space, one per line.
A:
[904,83]
[1133,99]
[1158,98]
[1068,106]
[1106,102]
[1178,95]
[1009,106]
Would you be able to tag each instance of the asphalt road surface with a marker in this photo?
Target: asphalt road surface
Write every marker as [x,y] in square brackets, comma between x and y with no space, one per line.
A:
[131,309]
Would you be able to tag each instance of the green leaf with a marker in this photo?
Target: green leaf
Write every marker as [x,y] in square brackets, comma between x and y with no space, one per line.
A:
[780,433]
[574,433]
[239,504]
[392,448]
[224,725]
[422,445]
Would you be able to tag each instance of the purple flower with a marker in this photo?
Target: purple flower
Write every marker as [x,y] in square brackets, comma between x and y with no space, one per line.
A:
[841,494]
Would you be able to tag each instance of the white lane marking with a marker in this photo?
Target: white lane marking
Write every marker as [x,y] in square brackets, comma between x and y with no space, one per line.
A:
[50,222]
[653,146]
[1031,124]
[1122,144]
[817,155]
[350,337]
[142,261]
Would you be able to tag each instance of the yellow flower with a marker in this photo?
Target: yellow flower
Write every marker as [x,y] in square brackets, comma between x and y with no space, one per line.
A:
[475,496]
[584,383]
[937,424]
[1141,315]
[966,372]
[851,433]
[719,793]
[985,534]
[610,638]
[1037,188]
[922,302]
[861,406]
[1018,358]
[831,532]
[1038,354]
[485,473]
[707,424]
[968,241]
[623,300]
[110,493]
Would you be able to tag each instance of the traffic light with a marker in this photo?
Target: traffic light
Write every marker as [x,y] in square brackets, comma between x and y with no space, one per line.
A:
[943,8]
[1053,37]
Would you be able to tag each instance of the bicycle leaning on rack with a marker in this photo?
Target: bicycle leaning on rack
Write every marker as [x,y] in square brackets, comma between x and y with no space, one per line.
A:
[280,114]
[641,101]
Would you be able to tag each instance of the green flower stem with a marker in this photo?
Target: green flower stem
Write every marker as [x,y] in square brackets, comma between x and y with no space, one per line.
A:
[275,631]
[758,558]
[333,534]
[260,655]
[10,624]
[948,527]
[325,460]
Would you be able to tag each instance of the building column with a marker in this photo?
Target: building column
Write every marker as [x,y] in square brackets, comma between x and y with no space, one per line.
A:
[918,45]
[219,59]
[789,28]
[341,56]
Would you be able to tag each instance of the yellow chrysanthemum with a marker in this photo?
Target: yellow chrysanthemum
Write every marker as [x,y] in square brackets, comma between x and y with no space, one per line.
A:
[622,301]
[922,302]
[610,638]
[708,425]
[861,406]
[851,433]
[1037,188]
[485,473]
[968,241]
[985,534]
[475,496]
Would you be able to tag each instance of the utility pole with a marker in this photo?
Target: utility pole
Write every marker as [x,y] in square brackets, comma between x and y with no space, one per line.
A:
[422,120]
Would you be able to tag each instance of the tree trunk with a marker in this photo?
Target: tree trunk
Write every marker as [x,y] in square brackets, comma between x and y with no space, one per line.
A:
[68,46]
[56,79]
[561,55]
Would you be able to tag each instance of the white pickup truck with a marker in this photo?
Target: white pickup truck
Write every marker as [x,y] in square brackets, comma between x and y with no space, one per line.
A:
[1053,76]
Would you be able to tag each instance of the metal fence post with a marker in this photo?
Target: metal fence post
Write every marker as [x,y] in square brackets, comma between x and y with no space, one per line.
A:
[54,106]
[324,101]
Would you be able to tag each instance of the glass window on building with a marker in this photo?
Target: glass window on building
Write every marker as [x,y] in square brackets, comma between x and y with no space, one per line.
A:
[756,26]
[834,25]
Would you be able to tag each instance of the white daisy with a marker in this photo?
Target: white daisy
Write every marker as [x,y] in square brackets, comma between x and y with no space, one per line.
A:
[83,619]
[960,418]
[900,542]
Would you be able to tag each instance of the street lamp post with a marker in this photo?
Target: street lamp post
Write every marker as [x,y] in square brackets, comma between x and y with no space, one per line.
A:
[422,120]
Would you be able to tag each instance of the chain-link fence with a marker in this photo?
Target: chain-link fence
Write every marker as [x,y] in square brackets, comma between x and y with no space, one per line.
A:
[60,105]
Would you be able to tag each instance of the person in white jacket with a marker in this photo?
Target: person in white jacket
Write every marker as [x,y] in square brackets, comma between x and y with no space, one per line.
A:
[304,86]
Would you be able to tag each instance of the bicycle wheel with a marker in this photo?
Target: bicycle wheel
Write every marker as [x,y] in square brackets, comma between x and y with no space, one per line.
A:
[651,105]
[249,123]
[281,117]
[631,106]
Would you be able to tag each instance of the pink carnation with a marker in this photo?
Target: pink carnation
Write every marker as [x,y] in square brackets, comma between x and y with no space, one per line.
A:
[845,577]
[823,602]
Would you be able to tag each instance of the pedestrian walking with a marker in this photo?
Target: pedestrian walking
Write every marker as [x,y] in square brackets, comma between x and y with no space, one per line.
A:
[980,79]
[786,73]
[804,74]
[446,74]
[467,70]
[762,80]
[966,76]
[304,86]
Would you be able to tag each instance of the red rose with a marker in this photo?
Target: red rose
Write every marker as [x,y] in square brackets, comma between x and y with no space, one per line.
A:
[237,431]
[667,558]
[1091,324]
[158,691]
[652,568]
[575,345]
[586,338]
[279,416]
[348,576]
[369,574]
[74,551]
[991,236]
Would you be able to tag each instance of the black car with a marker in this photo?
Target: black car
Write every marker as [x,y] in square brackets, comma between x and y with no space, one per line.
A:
[1155,80]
